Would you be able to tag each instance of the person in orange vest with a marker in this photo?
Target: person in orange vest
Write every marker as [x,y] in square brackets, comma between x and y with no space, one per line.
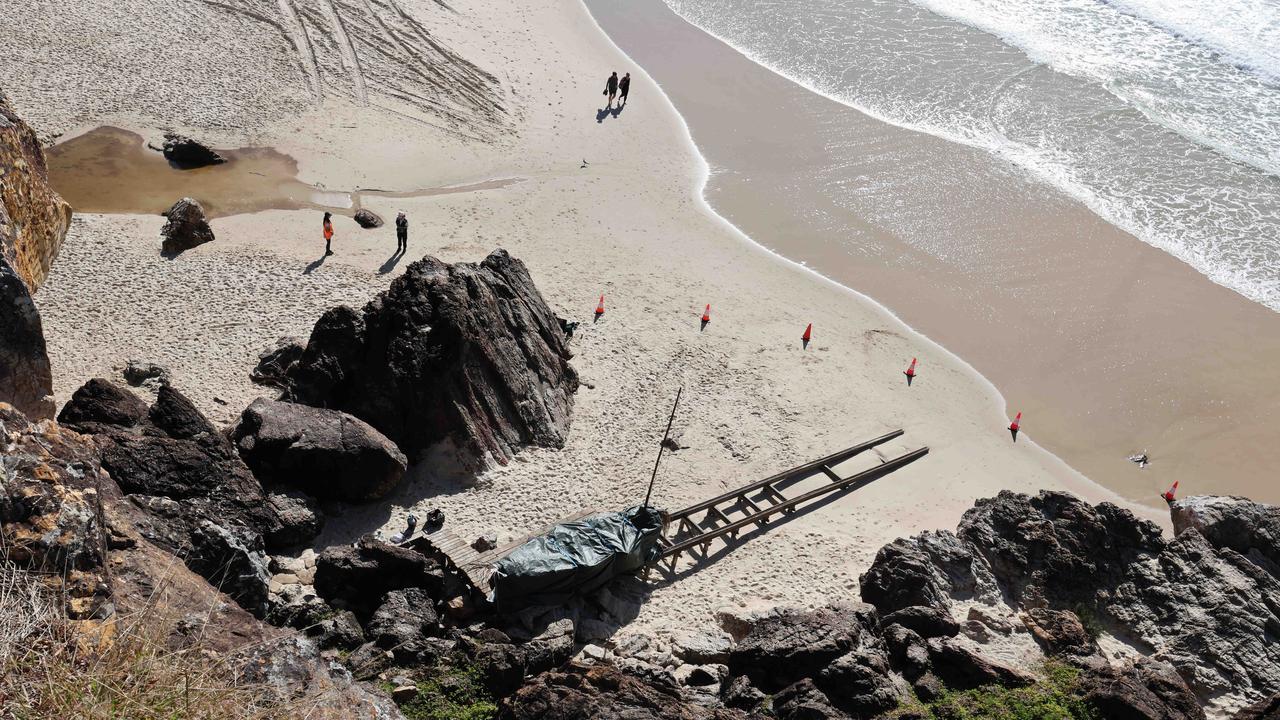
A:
[328,235]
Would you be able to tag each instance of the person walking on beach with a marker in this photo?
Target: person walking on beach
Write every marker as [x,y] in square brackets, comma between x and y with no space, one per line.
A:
[402,233]
[611,87]
[624,86]
[328,235]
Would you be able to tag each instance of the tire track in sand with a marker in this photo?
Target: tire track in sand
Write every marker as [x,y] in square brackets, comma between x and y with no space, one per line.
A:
[302,42]
[349,58]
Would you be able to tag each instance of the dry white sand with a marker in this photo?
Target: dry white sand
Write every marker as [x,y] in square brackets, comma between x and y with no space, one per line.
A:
[632,225]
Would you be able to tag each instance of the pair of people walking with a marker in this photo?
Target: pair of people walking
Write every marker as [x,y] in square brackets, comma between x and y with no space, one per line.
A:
[613,87]
[402,233]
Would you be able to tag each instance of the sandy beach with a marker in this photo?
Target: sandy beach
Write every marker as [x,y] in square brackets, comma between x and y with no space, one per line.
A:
[630,223]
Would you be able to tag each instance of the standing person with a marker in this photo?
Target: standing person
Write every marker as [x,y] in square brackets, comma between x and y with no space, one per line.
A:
[402,233]
[611,87]
[328,235]
[624,86]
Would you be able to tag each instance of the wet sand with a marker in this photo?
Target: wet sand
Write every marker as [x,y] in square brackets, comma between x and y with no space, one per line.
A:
[1106,345]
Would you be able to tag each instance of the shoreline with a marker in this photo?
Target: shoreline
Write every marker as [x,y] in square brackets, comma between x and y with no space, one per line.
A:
[1046,331]
[1075,480]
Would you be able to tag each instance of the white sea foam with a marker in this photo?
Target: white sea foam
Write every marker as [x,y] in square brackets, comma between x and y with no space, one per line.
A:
[1163,116]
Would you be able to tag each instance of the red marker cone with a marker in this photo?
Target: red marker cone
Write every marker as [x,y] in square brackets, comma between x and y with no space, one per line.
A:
[911,372]
[1015,426]
[1168,494]
[706,317]
[808,334]
[600,308]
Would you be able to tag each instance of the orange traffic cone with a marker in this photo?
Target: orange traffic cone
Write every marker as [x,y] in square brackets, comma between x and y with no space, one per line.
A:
[1168,494]
[599,309]
[706,317]
[911,372]
[1015,426]
[808,335]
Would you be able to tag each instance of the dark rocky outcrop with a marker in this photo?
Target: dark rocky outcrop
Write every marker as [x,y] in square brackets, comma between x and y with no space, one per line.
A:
[1052,554]
[404,617]
[467,352]
[185,227]
[198,499]
[33,218]
[295,518]
[274,362]
[26,378]
[602,692]
[361,575]
[187,153]
[62,515]
[1149,690]
[367,219]
[327,453]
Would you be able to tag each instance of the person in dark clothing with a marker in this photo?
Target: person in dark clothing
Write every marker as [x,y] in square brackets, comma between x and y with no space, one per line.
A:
[328,234]
[624,86]
[402,233]
[611,87]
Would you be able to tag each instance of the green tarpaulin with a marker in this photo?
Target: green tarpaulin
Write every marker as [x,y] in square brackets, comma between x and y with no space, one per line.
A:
[576,557]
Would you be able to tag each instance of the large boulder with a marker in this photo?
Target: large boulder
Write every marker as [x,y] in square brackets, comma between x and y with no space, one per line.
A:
[187,153]
[327,453]
[185,227]
[361,575]
[367,219]
[404,617]
[198,498]
[1147,690]
[795,644]
[467,352]
[26,378]
[33,218]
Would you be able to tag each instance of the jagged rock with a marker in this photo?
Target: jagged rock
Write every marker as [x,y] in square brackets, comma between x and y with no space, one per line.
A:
[1150,690]
[602,692]
[552,648]
[798,644]
[26,378]
[198,498]
[137,372]
[961,668]
[404,616]
[859,683]
[366,661]
[804,701]
[704,648]
[367,219]
[927,570]
[295,518]
[339,630]
[101,404]
[464,352]
[1251,529]
[274,362]
[501,666]
[907,651]
[51,510]
[187,153]
[363,574]
[185,227]
[1059,632]
[328,453]
[33,218]
[742,695]
[1265,709]
[926,621]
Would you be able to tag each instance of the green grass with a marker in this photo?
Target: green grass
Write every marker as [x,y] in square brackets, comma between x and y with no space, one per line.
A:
[450,693]
[1053,698]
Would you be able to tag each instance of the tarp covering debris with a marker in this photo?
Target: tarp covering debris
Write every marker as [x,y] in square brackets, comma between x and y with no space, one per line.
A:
[576,557]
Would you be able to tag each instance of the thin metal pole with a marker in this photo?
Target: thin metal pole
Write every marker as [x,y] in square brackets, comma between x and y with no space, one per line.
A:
[663,446]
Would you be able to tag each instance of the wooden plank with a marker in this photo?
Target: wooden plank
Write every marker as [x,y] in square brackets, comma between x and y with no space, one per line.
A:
[800,471]
[790,505]
[831,473]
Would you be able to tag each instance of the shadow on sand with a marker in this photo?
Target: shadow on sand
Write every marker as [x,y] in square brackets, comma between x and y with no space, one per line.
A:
[605,112]
[392,261]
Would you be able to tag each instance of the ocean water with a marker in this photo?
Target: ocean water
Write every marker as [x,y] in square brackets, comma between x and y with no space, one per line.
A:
[1163,116]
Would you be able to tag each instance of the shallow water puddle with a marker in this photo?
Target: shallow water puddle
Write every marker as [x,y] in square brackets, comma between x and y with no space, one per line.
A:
[110,170]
